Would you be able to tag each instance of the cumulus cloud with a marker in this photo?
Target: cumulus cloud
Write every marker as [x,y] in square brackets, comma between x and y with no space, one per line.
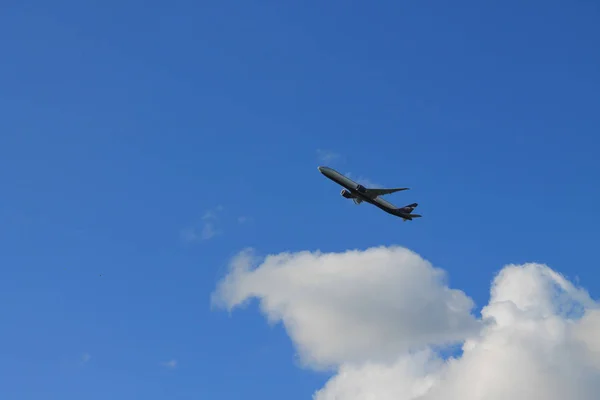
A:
[377,317]
[354,306]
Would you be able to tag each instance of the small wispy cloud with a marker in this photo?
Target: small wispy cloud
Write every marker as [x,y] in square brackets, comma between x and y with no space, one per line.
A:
[207,229]
[243,219]
[327,156]
[170,364]
[363,181]
[85,358]
[212,214]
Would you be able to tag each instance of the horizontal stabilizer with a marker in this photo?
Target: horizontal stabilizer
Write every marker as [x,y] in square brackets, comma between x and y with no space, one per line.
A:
[409,217]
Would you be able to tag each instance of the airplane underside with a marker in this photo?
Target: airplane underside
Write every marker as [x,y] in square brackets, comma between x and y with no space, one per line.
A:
[403,212]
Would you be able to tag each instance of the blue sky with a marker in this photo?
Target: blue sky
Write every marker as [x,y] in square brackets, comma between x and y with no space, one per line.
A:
[124,123]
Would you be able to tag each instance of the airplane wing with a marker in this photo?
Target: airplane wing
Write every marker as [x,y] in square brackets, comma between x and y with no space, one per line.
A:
[381,192]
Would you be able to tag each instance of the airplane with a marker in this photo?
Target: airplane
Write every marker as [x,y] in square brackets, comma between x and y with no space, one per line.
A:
[358,193]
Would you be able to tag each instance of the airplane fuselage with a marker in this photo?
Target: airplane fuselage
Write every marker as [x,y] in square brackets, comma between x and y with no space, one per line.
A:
[357,190]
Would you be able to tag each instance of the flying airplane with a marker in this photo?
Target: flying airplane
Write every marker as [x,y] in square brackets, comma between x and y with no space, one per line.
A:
[358,193]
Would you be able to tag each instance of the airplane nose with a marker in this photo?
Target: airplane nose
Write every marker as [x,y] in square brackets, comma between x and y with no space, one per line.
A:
[320,169]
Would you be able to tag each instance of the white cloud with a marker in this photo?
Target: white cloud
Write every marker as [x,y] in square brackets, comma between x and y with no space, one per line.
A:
[376,317]
[352,307]
[170,364]
[327,156]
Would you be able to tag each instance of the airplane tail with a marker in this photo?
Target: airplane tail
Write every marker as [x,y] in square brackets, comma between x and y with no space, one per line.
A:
[407,209]
[410,217]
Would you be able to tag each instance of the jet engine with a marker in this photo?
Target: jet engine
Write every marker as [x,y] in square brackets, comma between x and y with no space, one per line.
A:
[361,188]
[346,194]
